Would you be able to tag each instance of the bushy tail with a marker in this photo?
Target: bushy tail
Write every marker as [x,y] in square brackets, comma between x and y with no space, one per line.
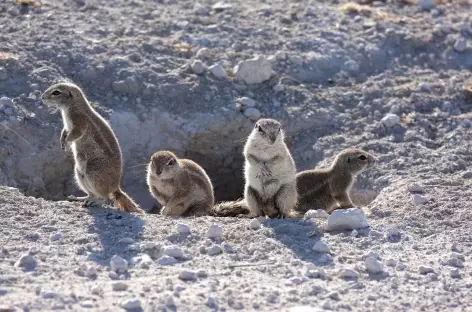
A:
[124,203]
[230,209]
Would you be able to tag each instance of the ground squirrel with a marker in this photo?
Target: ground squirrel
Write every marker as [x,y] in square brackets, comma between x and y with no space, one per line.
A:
[97,154]
[327,188]
[181,186]
[270,175]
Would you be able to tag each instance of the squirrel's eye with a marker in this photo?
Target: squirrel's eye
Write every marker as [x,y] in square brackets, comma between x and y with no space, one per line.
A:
[171,162]
[362,157]
[260,129]
[56,92]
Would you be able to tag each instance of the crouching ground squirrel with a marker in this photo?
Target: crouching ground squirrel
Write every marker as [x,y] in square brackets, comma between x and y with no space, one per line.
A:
[97,154]
[270,175]
[181,186]
[328,188]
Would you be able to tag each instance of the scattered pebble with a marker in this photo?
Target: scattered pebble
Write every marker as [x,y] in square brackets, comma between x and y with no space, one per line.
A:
[455,273]
[183,228]
[253,71]
[167,260]
[415,188]
[318,214]
[118,264]
[460,45]
[426,4]
[55,236]
[187,275]
[346,219]
[400,267]
[87,304]
[91,272]
[348,273]
[247,102]
[372,254]
[325,258]
[26,261]
[252,113]
[126,241]
[218,71]
[418,199]
[204,53]
[119,286]
[202,274]
[424,269]
[131,304]
[221,6]
[172,251]
[198,67]
[391,262]
[112,275]
[390,120]
[211,302]
[373,265]
[48,294]
[254,224]
[214,250]
[333,295]
[214,231]
[96,290]
[321,247]
[455,262]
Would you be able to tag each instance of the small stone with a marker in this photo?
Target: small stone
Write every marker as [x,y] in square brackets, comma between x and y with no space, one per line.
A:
[6,101]
[348,273]
[254,224]
[48,294]
[346,219]
[218,71]
[400,267]
[55,237]
[221,6]
[415,188]
[418,199]
[325,258]
[372,254]
[252,113]
[170,301]
[211,302]
[391,262]
[321,247]
[375,234]
[390,120]
[91,272]
[126,241]
[373,265]
[426,4]
[202,274]
[119,286]
[96,290]
[214,250]
[87,304]
[186,275]
[253,71]
[214,231]
[354,233]
[313,274]
[326,305]
[112,275]
[318,214]
[278,88]
[172,251]
[3,292]
[460,45]
[198,67]
[183,228]
[26,261]
[424,269]
[455,273]
[167,260]
[247,102]
[455,262]
[227,248]
[118,264]
[204,53]
[333,295]
[131,304]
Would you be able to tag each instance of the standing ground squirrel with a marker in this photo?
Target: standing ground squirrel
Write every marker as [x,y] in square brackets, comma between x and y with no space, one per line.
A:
[270,175]
[325,188]
[181,186]
[97,154]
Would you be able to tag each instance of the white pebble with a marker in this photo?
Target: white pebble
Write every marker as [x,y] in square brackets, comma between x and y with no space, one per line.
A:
[254,224]
[346,219]
[373,265]
[87,304]
[252,113]
[390,120]
[214,250]
[415,188]
[247,101]
[214,231]
[321,247]
[204,53]
[96,290]
[198,67]
[119,286]
[131,304]
[424,269]
[167,260]
[118,264]
[55,236]
[348,273]
[418,199]
[183,228]
[218,71]
[172,251]
[460,45]
[126,241]
[319,214]
[253,71]
[186,275]
[91,272]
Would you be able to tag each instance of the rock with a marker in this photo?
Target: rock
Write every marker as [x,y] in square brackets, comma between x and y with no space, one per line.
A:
[198,67]
[390,120]
[221,6]
[346,219]
[247,101]
[118,264]
[321,247]
[26,261]
[211,302]
[183,228]
[373,265]
[214,250]
[278,88]
[214,231]
[348,273]
[91,272]
[253,71]
[167,260]
[391,262]
[333,295]
[126,241]
[131,304]
[319,214]
[87,304]
[460,45]
[455,273]
[119,286]
[400,267]
[372,254]
[202,274]
[227,248]
[55,237]
[96,290]
[204,53]
[418,199]
[426,4]
[172,251]
[186,275]
[254,224]
[218,71]
[48,294]
[325,258]
[6,102]
[455,262]
[112,275]
[415,188]
[252,113]
[424,269]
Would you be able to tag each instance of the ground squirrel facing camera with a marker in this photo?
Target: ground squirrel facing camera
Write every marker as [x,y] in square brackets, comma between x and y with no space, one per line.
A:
[326,188]
[270,175]
[97,154]
[181,186]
